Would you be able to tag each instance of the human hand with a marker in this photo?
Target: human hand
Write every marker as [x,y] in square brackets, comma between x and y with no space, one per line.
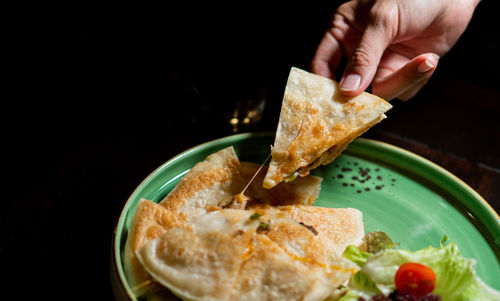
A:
[393,44]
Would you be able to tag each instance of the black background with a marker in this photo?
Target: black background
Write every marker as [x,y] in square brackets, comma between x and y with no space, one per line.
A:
[98,96]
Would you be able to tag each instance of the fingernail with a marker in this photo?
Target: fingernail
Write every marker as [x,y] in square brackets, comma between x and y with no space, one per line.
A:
[424,66]
[350,82]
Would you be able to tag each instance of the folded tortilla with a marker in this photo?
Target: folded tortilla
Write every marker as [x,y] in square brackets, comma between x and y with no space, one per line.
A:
[316,124]
[232,254]
[150,220]
[208,186]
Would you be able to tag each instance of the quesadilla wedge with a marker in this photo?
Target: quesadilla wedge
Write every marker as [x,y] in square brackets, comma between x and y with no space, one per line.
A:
[206,184]
[232,254]
[316,124]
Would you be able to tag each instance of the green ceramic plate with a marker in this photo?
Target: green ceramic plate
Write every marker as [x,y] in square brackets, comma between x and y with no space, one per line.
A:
[413,200]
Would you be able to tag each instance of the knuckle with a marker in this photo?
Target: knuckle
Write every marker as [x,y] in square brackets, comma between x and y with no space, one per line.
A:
[378,19]
[383,16]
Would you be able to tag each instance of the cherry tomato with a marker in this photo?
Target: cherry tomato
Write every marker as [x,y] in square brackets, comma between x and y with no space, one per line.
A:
[415,279]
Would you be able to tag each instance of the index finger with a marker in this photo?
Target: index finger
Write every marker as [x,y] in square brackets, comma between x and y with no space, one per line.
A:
[327,56]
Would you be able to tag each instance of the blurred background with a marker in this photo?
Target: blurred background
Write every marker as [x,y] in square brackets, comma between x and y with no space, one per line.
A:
[101,95]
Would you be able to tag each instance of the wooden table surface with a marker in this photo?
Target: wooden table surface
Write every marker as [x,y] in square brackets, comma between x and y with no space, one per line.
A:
[111,94]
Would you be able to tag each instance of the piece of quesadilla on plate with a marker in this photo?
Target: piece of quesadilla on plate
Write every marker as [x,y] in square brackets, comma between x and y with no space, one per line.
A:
[232,254]
[206,184]
[316,124]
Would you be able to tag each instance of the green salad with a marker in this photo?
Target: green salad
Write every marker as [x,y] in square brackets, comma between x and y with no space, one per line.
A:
[389,273]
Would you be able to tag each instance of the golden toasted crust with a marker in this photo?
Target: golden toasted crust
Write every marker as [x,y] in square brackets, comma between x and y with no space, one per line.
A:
[314,118]
[332,153]
[200,251]
[150,220]
[200,260]
[336,227]
[229,254]
[205,184]
[304,190]
[272,273]
[298,240]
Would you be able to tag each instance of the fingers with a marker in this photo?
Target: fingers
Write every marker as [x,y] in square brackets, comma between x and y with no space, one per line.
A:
[406,81]
[327,57]
[379,33]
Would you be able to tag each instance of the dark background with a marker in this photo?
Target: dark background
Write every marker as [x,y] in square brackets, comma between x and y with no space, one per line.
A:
[101,95]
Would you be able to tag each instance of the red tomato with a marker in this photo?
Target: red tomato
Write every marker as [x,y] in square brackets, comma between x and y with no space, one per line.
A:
[415,279]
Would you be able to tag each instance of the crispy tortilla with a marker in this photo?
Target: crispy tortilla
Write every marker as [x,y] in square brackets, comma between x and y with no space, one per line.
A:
[337,227]
[316,124]
[207,186]
[150,220]
[230,255]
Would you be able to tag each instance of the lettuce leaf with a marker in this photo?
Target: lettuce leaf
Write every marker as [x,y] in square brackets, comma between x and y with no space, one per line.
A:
[378,241]
[456,278]
[360,285]
[480,291]
[355,255]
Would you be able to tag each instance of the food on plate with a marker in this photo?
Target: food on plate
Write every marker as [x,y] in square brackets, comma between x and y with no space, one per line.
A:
[301,191]
[415,279]
[281,233]
[316,124]
[336,227]
[221,176]
[206,184]
[231,254]
[423,275]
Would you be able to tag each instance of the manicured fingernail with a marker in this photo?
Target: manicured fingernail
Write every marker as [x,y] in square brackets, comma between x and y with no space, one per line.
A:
[424,66]
[350,82]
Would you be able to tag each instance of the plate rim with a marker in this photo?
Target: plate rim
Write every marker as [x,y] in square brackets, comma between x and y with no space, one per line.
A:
[118,275]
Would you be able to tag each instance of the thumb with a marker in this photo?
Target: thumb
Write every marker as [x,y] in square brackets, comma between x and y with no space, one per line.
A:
[362,66]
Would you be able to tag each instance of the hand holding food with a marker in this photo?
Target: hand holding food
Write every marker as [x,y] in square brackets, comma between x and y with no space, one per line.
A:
[393,45]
